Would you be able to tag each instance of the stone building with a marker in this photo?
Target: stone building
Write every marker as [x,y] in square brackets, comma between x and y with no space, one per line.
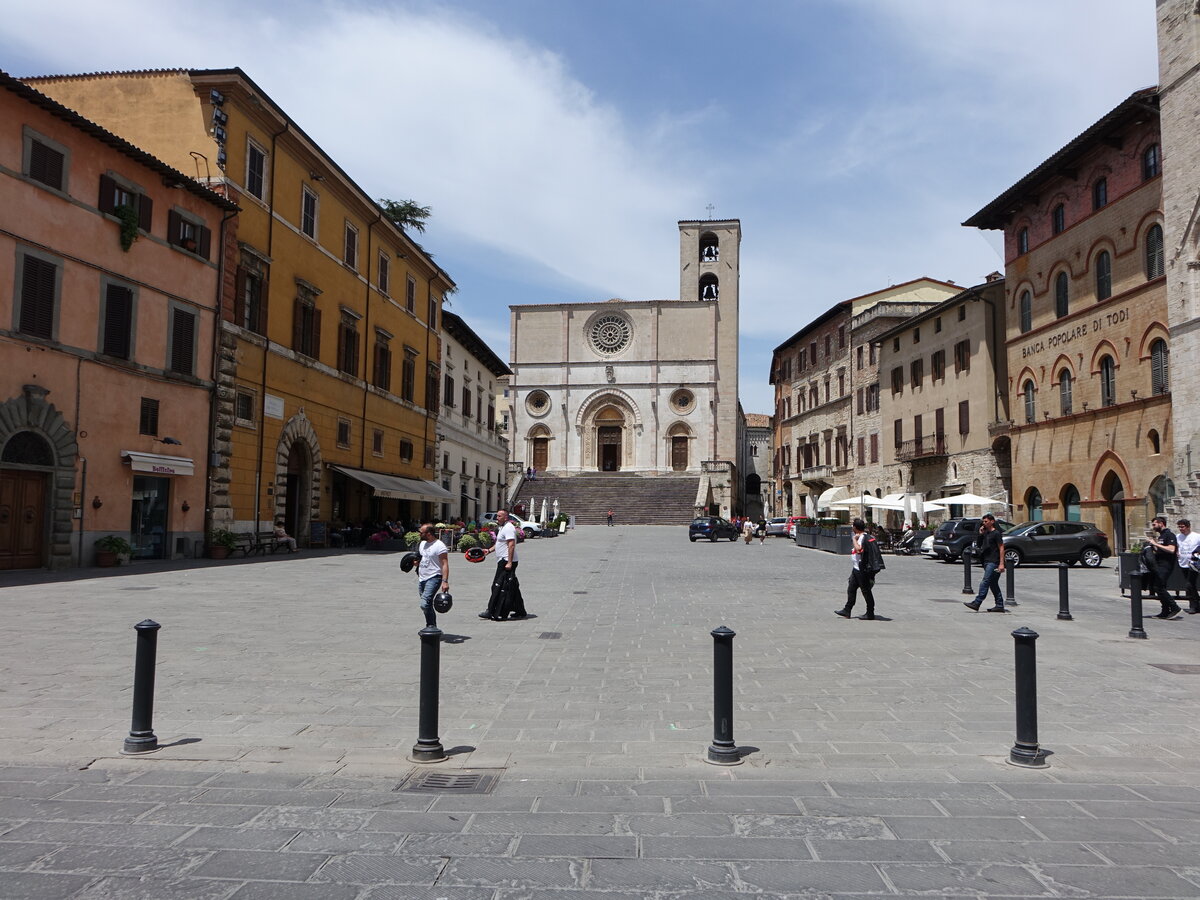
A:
[646,387]
[944,392]
[329,363]
[108,314]
[822,375]
[1086,327]
[1179,98]
[472,452]
[758,481]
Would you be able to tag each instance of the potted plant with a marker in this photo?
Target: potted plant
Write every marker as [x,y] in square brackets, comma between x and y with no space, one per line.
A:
[110,548]
[220,542]
[128,217]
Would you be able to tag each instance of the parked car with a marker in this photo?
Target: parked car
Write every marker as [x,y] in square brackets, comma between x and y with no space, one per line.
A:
[791,525]
[712,527]
[778,526]
[1069,542]
[528,526]
[955,534]
[927,546]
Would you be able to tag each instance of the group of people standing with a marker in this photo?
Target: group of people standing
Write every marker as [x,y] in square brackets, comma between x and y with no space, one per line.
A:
[1168,550]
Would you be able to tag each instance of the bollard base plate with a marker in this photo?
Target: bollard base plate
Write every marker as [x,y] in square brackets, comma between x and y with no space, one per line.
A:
[428,753]
[1138,633]
[723,756]
[1066,617]
[1028,758]
[133,747]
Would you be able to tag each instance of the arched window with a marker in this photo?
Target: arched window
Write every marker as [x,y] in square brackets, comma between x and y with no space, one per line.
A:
[1070,503]
[1155,442]
[1058,219]
[1108,381]
[27,448]
[1150,162]
[1161,490]
[1062,286]
[1103,275]
[709,287]
[1100,194]
[1023,241]
[710,247]
[1065,391]
[1029,404]
[1154,252]
[1026,311]
[1160,367]
[1033,502]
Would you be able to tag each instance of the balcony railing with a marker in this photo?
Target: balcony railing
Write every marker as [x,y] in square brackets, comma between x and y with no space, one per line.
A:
[933,445]
[816,473]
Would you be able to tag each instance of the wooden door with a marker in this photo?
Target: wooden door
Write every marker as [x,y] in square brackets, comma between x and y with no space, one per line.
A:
[22,519]
[679,454]
[541,452]
[609,439]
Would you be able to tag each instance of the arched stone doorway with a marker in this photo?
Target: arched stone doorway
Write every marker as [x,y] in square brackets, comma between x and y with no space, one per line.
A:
[610,426]
[296,507]
[539,447]
[297,476]
[679,438]
[1113,492]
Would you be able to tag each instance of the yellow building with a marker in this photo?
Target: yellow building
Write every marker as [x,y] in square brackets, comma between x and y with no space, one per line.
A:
[328,376]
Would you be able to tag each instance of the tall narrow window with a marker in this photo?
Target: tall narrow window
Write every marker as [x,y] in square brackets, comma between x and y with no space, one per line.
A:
[408,375]
[1150,162]
[308,212]
[1108,381]
[1062,286]
[964,416]
[410,296]
[1154,252]
[118,321]
[1058,219]
[348,344]
[256,170]
[937,365]
[898,432]
[1100,194]
[306,325]
[1103,275]
[917,372]
[1030,411]
[381,368]
[183,342]
[432,379]
[1066,400]
[350,248]
[148,417]
[385,273]
[1026,311]
[448,392]
[1160,368]
[433,310]
[250,299]
[39,292]
[1022,241]
[962,356]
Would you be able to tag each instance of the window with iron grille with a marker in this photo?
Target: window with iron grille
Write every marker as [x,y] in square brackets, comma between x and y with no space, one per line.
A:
[45,161]
[408,375]
[244,407]
[148,417]
[40,282]
[183,342]
[343,433]
[118,321]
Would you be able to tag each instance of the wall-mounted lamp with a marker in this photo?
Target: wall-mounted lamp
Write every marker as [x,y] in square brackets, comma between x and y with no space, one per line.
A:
[186,506]
[97,502]
[169,440]
[1133,393]
[315,177]
[1085,406]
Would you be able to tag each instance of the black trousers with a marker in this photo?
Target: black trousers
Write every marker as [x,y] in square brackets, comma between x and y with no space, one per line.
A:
[1162,571]
[860,581]
[506,596]
[1193,596]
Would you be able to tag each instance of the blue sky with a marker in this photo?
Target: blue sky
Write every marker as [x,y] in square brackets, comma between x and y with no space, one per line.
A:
[559,141]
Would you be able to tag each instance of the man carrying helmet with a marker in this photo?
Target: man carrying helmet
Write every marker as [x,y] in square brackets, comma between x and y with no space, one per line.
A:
[506,600]
[433,574]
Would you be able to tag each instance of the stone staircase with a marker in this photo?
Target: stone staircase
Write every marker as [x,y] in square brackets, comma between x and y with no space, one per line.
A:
[634,499]
[1186,502]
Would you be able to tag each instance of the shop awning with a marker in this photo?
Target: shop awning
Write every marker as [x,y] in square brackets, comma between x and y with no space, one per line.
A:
[157,464]
[393,487]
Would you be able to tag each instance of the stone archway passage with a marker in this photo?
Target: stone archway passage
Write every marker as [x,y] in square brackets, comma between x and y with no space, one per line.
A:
[297,476]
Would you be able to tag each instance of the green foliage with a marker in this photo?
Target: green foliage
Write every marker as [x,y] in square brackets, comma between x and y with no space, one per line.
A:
[559,519]
[412,538]
[114,543]
[222,537]
[129,225]
[466,542]
[485,539]
[405,213]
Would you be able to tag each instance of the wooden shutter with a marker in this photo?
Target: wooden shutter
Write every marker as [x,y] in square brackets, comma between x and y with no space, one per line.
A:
[964,416]
[37,297]
[239,297]
[298,311]
[118,317]
[264,286]
[342,356]
[183,331]
[862,451]
[174,221]
[145,213]
[108,190]
[316,333]
[204,241]
[46,165]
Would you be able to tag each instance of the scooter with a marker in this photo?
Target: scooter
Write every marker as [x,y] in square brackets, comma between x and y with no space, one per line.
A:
[907,545]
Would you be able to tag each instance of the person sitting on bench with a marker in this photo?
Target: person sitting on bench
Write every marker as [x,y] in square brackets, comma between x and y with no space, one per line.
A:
[281,537]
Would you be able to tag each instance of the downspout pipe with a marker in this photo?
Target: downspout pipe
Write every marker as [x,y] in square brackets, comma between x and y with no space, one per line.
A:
[218,318]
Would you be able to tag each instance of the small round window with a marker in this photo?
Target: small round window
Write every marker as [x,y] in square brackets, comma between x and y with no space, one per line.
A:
[538,403]
[610,334]
[682,401]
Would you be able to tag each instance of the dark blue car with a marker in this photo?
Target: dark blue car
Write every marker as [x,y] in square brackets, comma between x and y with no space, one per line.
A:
[712,527]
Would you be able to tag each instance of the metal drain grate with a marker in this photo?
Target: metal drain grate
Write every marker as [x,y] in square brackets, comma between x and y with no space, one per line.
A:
[450,782]
[139,589]
[1177,668]
[549,635]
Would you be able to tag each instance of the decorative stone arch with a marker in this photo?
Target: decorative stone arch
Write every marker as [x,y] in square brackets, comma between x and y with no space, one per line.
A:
[1102,349]
[1147,221]
[589,429]
[298,430]
[602,398]
[537,446]
[1109,462]
[1154,331]
[1063,362]
[677,446]
[31,412]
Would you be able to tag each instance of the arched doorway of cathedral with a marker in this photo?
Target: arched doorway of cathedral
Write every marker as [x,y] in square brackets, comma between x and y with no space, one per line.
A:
[539,447]
[610,424]
[678,438]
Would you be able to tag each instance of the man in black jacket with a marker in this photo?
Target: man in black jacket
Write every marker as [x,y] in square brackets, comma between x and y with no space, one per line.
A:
[866,560]
[1165,546]
[990,549]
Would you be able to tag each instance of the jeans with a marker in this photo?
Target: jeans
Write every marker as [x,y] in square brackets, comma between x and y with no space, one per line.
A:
[860,581]
[427,590]
[990,579]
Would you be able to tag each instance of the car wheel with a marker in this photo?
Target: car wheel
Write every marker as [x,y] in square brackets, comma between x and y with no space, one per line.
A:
[1091,557]
[692,538]
[713,537]
[529,532]
[1012,557]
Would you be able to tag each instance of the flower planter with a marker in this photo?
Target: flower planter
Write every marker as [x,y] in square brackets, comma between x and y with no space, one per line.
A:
[218,552]
[106,558]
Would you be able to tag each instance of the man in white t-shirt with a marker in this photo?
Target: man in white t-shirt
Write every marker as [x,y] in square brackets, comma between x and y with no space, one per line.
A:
[506,600]
[1188,542]
[433,574]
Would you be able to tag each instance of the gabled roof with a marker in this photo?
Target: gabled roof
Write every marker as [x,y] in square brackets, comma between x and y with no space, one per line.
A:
[104,136]
[996,214]
[473,343]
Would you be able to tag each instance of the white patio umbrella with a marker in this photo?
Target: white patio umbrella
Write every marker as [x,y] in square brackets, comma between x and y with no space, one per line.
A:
[543,518]
[969,500]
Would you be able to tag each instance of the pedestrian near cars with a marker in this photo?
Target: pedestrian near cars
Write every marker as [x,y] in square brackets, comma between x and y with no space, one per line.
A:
[989,547]
[762,531]
[1186,547]
[1166,547]
[866,561]
[747,530]
[433,572]
[506,600]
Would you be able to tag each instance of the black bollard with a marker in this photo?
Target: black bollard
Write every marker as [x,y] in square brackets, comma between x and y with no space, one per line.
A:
[1135,606]
[1025,752]
[1064,602]
[723,751]
[141,733]
[428,748]
[967,589]
[1010,579]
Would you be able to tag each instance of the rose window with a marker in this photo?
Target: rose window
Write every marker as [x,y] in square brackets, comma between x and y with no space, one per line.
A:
[610,334]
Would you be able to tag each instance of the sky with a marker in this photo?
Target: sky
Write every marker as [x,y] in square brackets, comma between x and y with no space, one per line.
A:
[558,142]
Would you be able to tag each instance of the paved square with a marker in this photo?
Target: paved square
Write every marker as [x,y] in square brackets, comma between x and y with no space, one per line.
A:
[287,698]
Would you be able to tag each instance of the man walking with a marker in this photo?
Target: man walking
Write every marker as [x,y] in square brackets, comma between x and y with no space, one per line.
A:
[1187,544]
[1162,539]
[433,574]
[506,600]
[610,524]
[866,561]
[990,548]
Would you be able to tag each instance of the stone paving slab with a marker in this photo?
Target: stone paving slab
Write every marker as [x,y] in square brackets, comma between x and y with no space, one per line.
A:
[878,766]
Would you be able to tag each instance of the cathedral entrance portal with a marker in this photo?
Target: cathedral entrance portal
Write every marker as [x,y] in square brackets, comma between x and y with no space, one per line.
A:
[541,448]
[608,438]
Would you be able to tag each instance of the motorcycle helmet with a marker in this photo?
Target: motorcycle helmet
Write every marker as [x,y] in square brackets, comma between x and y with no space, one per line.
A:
[442,601]
[476,554]
[409,560]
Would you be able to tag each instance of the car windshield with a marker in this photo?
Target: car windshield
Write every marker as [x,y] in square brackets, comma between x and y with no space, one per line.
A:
[700,521]
[778,521]
[945,528]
